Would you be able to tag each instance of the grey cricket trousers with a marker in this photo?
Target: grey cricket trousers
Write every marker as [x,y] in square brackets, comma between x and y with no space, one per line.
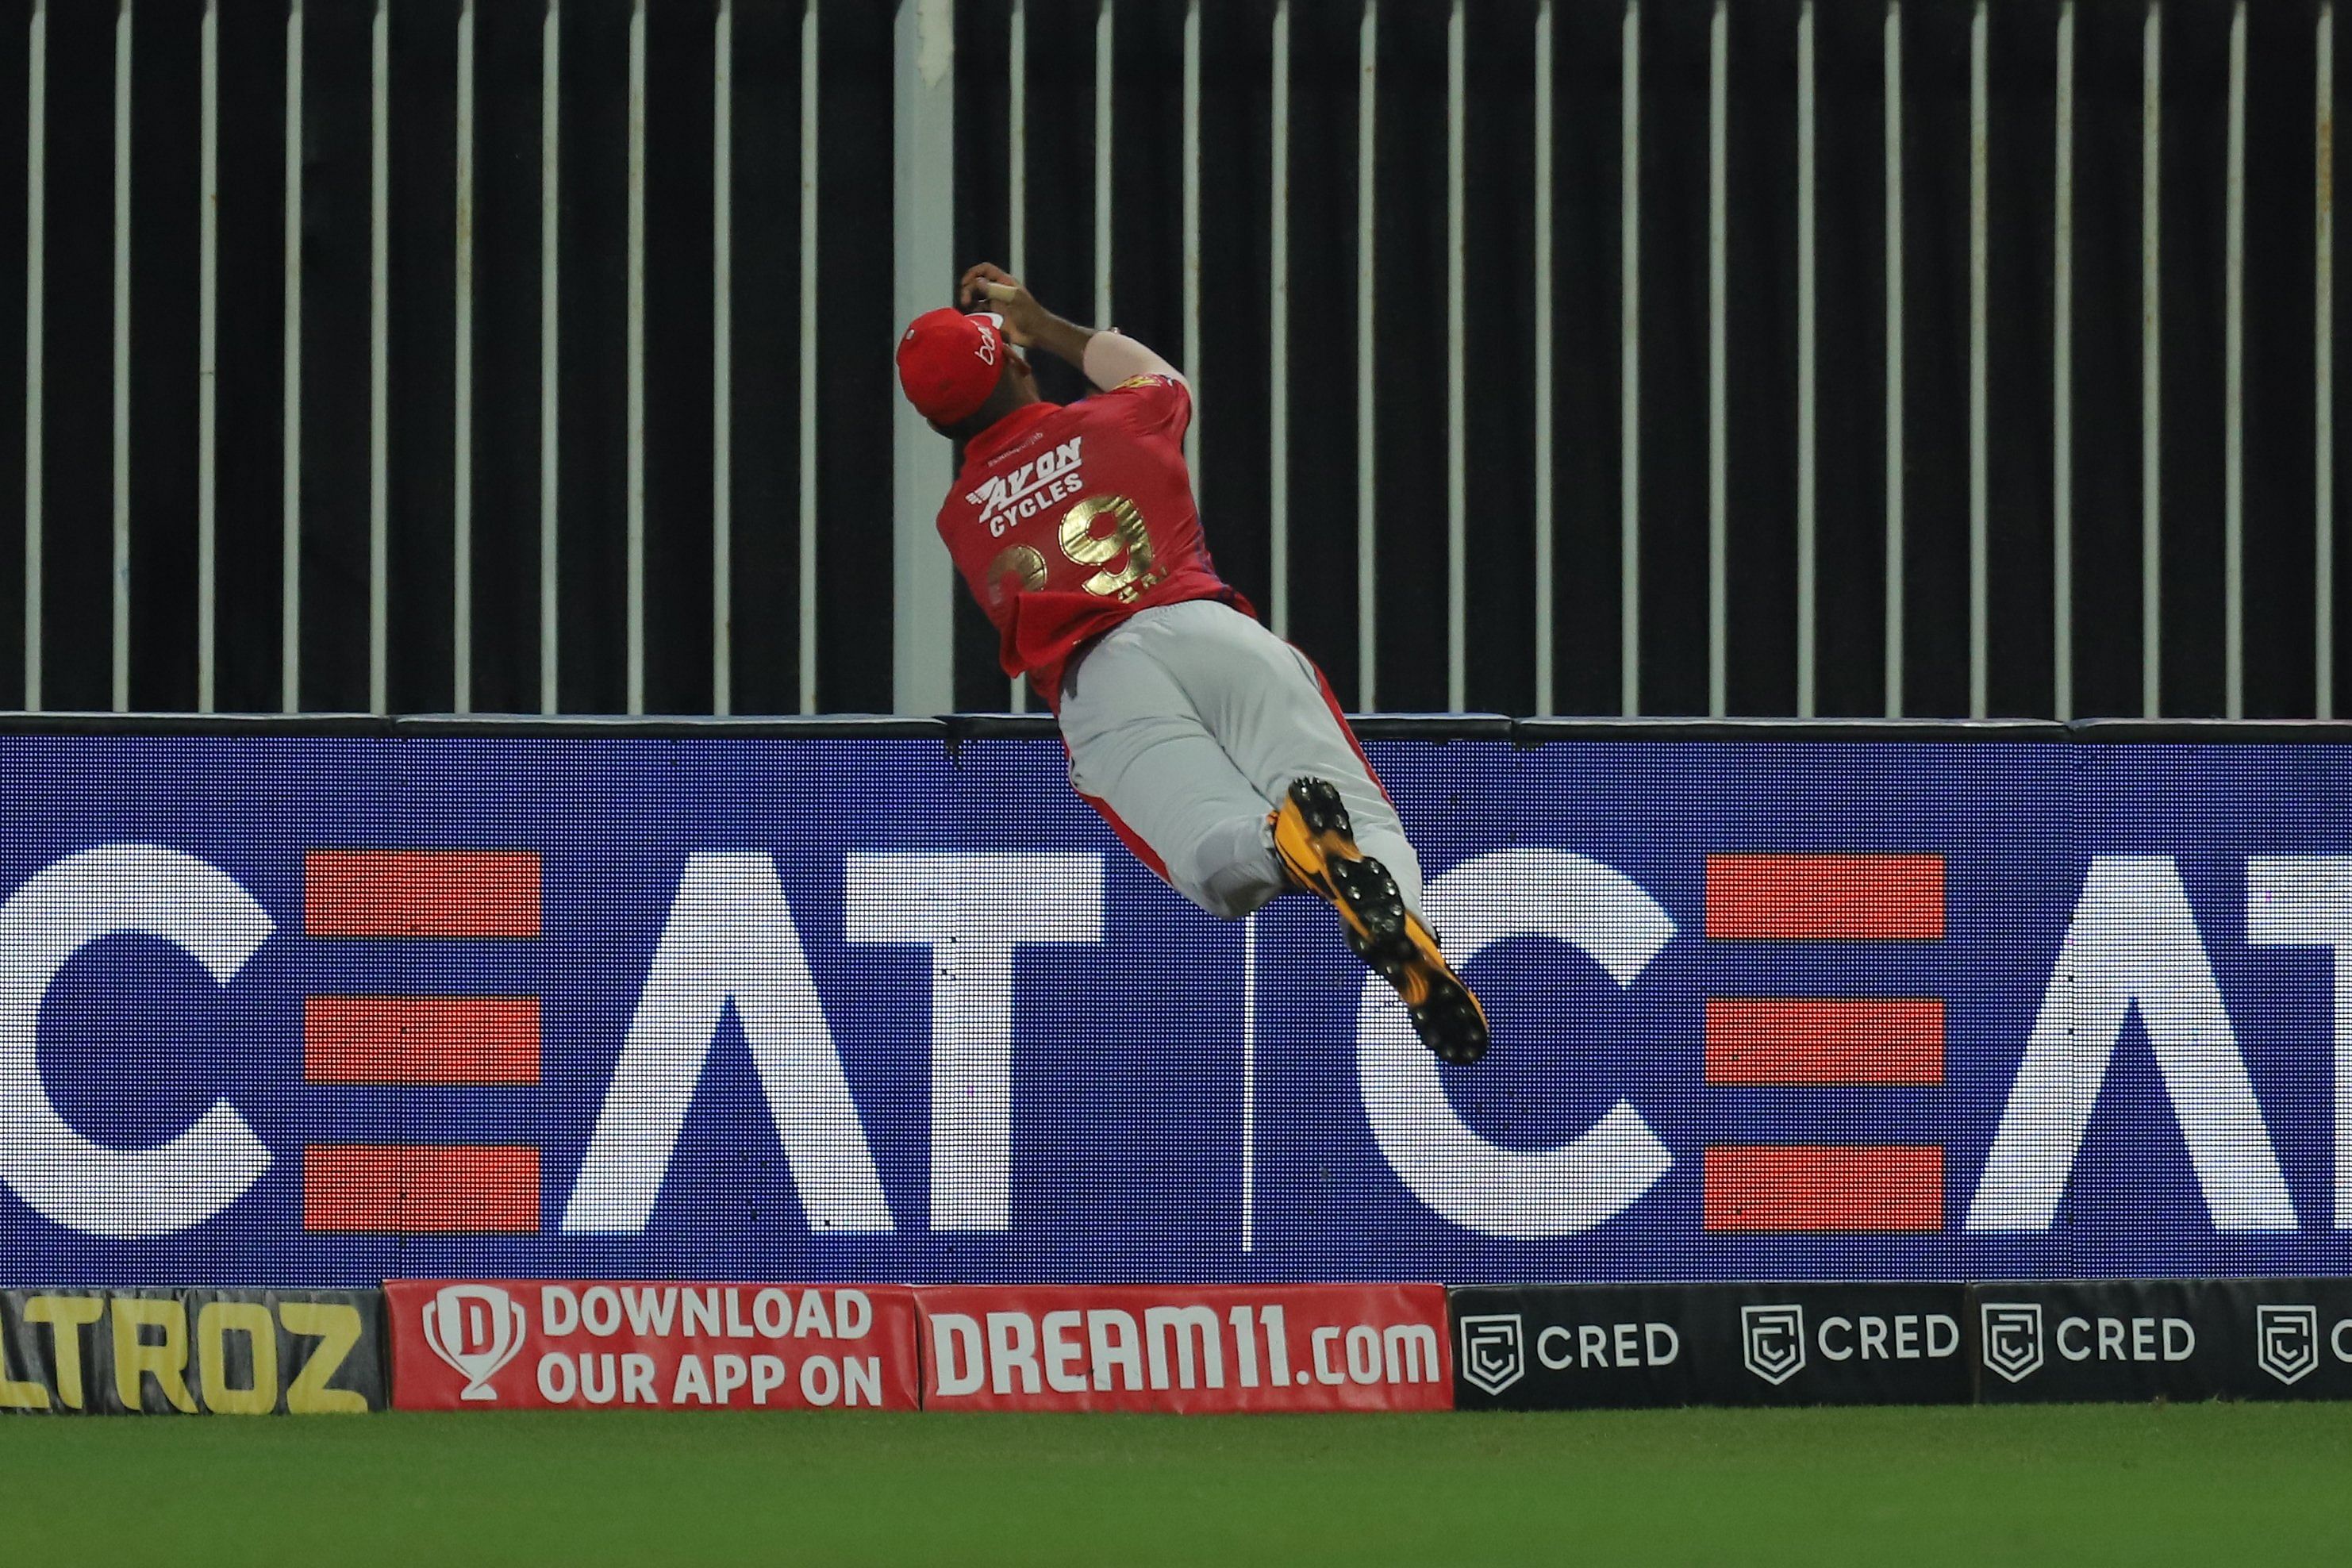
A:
[1186,724]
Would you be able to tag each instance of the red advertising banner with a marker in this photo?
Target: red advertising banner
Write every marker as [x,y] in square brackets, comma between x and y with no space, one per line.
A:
[1192,1349]
[564,1344]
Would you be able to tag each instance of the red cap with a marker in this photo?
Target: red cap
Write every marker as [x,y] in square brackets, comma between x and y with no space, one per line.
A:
[948,362]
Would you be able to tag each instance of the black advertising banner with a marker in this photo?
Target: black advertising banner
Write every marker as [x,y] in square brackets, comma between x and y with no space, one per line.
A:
[229,1352]
[1567,1347]
[2282,1339]
[1546,1347]
[2174,1338]
[1830,1344]
[2077,1341]
[1572,1348]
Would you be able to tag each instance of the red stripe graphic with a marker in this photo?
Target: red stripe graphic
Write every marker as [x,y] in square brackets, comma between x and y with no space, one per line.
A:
[415,1187]
[1797,1188]
[1825,898]
[1825,1041]
[420,892]
[420,1040]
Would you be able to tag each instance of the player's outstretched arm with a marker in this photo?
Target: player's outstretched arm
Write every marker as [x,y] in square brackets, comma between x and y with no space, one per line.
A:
[1105,358]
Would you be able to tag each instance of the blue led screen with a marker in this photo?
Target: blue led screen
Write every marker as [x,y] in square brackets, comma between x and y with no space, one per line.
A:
[320,1011]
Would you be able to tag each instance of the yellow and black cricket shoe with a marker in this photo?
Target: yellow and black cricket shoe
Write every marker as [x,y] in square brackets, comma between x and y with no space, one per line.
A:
[1316,846]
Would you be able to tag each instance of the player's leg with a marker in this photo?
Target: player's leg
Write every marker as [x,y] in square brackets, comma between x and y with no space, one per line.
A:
[1315,843]
[1269,708]
[1144,758]
[1335,830]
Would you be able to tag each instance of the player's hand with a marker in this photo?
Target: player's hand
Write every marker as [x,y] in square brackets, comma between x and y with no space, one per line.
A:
[990,286]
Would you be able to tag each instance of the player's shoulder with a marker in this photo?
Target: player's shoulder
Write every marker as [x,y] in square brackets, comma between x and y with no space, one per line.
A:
[1145,405]
[1149,384]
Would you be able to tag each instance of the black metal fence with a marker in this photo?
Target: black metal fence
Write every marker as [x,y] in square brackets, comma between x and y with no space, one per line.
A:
[1850,357]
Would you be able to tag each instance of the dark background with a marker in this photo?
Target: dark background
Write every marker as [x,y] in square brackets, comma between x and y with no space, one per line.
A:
[855,278]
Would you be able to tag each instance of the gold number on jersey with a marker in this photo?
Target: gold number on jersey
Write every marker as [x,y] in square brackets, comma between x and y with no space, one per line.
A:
[1129,537]
[1020,562]
[1021,568]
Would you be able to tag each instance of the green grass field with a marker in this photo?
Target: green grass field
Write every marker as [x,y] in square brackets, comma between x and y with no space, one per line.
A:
[2212,1483]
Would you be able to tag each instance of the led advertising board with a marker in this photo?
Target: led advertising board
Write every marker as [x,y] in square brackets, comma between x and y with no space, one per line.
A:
[331,1010]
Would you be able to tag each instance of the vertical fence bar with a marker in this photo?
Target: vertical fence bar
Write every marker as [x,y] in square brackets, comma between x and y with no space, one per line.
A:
[2151,363]
[1016,224]
[636,327]
[1808,325]
[1543,412]
[922,192]
[122,44]
[1277,488]
[1016,133]
[2061,385]
[289,593]
[1629,365]
[207,347]
[1891,71]
[36,96]
[550,67]
[1105,120]
[2233,445]
[1366,537]
[380,362]
[722,358]
[461,509]
[1718,259]
[1457,388]
[808,330]
[1192,234]
[2322,377]
[551,43]
[1979,304]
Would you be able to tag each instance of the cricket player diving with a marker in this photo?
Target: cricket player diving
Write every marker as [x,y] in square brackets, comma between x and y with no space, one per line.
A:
[1213,749]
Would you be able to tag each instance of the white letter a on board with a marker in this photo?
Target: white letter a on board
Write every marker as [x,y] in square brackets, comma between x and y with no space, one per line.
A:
[730,938]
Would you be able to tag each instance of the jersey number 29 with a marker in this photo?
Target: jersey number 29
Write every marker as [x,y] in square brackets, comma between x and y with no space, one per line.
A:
[1128,538]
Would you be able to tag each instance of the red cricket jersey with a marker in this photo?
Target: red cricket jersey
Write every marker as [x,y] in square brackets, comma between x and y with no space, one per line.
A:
[1068,518]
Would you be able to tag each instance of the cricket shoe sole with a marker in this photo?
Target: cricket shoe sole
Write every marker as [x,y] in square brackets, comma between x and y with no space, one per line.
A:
[1316,846]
